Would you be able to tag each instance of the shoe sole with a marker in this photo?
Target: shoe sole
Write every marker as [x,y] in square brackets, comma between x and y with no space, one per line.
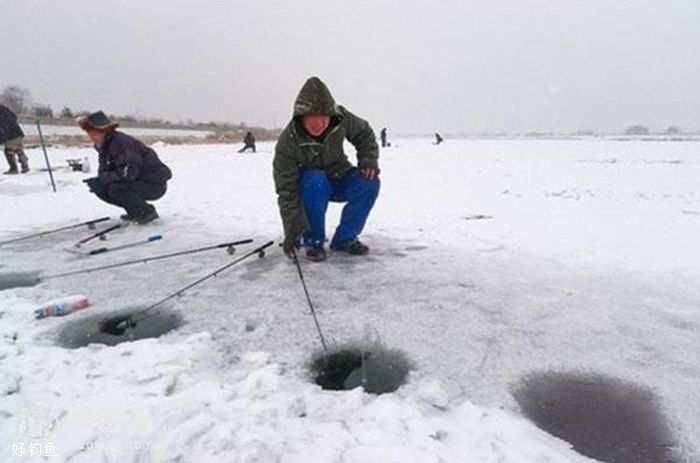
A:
[349,253]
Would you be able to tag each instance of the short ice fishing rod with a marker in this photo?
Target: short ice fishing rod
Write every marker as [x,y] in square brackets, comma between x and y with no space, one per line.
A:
[230,248]
[90,224]
[102,235]
[117,325]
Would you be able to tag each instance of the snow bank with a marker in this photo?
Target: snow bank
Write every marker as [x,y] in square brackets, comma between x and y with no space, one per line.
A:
[181,400]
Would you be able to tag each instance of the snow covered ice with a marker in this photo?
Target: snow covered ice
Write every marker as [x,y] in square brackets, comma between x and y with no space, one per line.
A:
[491,260]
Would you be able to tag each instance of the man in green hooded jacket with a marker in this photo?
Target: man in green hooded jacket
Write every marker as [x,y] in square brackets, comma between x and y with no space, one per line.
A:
[311,169]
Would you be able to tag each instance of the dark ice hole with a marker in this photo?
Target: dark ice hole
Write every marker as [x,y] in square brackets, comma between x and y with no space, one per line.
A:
[86,330]
[377,370]
[18,279]
[603,418]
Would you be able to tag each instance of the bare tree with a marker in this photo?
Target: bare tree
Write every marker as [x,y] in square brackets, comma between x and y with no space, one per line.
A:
[66,112]
[17,98]
[637,130]
[42,111]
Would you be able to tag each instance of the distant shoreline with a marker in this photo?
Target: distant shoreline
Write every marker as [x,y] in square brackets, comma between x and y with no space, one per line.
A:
[65,132]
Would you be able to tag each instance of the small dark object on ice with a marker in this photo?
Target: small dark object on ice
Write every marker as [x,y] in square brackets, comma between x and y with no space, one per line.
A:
[117,326]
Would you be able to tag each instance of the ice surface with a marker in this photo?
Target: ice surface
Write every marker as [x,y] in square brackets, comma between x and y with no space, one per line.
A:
[585,265]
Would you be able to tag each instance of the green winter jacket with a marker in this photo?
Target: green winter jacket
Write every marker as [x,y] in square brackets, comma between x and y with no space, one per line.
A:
[296,150]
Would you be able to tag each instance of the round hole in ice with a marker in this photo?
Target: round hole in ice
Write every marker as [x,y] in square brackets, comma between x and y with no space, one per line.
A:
[18,279]
[376,369]
[602,417]
[85,329]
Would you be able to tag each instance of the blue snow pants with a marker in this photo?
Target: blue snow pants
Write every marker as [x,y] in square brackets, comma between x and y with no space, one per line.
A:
[317,189]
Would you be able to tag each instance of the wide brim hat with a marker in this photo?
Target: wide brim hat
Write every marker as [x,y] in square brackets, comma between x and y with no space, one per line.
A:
[97,121]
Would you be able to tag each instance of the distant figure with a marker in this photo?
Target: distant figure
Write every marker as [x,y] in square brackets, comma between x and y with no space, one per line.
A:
[249,141]
[129,172]
[11,136]
[438,138]
[310,169]
[382,136]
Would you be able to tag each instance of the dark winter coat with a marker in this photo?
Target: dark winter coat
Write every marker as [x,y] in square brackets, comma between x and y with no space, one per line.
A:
[249,139]
[9,128]
[297,150]
[125,159]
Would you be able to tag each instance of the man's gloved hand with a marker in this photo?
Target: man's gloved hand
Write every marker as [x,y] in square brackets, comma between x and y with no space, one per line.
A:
[291,244]
[369,172]
[93,183]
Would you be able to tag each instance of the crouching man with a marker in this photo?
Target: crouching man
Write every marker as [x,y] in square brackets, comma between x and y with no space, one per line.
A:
[129,172]
[311,169]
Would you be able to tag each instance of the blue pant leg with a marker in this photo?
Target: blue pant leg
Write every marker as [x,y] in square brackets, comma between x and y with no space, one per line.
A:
[316,193]
[360,194]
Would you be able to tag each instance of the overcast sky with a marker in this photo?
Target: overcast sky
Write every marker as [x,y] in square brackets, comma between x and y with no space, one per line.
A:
[414,66]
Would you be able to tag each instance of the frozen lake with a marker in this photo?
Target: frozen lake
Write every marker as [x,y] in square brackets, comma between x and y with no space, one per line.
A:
[490,261]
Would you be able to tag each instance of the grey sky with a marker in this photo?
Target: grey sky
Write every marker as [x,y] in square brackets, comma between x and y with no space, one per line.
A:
[416,66]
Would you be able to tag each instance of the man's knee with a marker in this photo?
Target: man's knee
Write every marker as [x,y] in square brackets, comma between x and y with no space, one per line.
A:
[315,181]
[117,190]
[364,187]
[373,186]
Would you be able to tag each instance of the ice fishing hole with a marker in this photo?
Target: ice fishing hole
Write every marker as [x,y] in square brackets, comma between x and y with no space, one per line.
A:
[18,279]
[85,330]
[377,370]
[603,418]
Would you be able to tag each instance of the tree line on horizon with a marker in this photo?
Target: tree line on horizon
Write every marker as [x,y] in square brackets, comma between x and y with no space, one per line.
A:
[19,100]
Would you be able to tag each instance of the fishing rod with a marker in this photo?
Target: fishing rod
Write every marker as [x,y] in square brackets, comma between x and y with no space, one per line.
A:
[90,224]
[230,249]
[102,235]
[117,325]
[46,155]
[308,299]
[150,239]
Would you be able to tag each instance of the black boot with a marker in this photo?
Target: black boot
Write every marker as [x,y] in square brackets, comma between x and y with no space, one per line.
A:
[147,216]
[316,254]
[12,163]
[354,247]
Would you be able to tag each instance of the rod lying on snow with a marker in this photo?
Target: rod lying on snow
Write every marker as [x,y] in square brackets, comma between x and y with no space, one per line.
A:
[102,235]
[230,248]
[150,239]
[90,224]
[116,326]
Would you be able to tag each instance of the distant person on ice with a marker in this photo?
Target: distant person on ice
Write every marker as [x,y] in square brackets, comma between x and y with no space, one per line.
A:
[129,172]
[11,136]
[311,169]
[249,141]
[438,138]
[382,137]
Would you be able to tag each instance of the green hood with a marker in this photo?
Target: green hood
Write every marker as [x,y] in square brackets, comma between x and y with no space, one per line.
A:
[315,98]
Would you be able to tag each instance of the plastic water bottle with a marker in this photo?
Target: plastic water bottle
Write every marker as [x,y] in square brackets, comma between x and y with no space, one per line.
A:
[62,307]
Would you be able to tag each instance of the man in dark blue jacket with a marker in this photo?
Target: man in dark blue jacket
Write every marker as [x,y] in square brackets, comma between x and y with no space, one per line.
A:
[129,172]
[11,136]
